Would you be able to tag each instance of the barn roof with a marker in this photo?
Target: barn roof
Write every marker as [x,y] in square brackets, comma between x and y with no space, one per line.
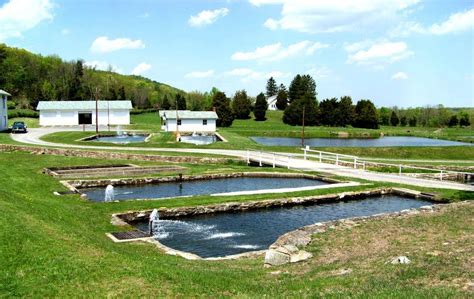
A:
[83,105]
[186,114]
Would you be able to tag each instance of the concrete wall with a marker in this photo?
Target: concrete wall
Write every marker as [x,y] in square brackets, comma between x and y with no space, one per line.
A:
[3,113]
[190,125]
[71,117]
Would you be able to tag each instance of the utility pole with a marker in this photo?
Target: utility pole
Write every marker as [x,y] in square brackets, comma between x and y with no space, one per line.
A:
[96,96]
[178,137]
[302,131]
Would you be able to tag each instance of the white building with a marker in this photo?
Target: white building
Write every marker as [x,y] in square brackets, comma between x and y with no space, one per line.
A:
[188,121]
[272,103]
[3,110]
[73,113]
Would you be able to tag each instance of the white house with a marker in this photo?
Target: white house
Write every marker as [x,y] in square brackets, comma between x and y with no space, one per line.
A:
[188,121]
[3,110]
[73,113]
[272,103]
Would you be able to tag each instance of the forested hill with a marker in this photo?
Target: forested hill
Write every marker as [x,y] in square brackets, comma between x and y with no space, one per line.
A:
[31,78]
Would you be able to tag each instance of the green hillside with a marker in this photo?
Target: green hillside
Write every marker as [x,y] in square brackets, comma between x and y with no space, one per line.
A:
[31,78]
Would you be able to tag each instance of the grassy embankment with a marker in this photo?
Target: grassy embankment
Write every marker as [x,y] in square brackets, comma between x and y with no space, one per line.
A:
[56,246]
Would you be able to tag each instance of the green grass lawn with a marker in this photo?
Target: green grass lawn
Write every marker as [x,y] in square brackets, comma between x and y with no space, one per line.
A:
[55,246]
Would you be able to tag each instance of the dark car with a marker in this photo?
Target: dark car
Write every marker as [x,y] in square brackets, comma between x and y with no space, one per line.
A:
[19,127]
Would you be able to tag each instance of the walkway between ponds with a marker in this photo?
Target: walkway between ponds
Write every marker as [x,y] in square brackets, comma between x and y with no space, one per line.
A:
[297,162]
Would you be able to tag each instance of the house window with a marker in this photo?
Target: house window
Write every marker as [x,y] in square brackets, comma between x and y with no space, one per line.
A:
[204,122]
[4,100]
[179,122]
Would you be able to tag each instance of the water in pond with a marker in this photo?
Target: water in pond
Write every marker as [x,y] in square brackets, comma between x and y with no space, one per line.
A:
[389,141]
[224,234]
[199,187]
[121,139]
[199,140]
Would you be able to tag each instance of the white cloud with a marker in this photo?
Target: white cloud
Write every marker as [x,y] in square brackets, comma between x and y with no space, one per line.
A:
[333,15]
[207,17]
[103,44]
[103,66]
[400,76]
[200,75]
[377,53]
[247,74]
[456,23]
[277,51]
[141,68]
[18,16]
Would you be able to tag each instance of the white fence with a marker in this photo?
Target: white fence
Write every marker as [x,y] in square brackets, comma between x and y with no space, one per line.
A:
[356,163]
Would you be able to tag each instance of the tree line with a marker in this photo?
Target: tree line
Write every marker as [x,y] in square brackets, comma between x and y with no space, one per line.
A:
[31,78]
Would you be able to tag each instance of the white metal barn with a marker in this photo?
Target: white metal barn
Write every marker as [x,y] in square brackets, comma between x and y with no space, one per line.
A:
[188,121]
[73,113]
[272,103]
[3,110]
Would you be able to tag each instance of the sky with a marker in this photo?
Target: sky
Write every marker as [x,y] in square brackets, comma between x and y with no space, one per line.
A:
[402,53]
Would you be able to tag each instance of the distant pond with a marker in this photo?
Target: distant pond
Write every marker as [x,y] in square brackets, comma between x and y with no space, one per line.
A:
[388,141]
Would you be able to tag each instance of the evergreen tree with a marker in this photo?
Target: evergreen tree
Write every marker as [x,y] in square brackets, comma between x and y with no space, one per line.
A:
[261,107]
[272,88]
[453,121]
[282,98]
[165,105]
[328,112]
[412,122]
[180,102]
[464,119]
[76,88]
[302,86]
[122,95]
[403,121]
[295,91]
[394,121]
[241,105]
[222,105]
[345,113]
[293,114]
[366,115]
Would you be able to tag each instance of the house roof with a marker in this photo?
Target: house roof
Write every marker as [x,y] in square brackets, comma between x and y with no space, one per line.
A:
[3,92]
[186,114]
[271,99]
[83,105]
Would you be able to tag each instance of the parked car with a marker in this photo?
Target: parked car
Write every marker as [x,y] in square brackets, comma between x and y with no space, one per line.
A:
[19,127]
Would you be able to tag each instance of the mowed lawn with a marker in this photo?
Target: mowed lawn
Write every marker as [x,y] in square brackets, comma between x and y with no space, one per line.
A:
[55,246]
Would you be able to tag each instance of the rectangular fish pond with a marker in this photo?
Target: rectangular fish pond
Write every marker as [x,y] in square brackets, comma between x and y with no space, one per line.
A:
[122,138]
[388,141]
[200,138]
[229,233]
[156,188]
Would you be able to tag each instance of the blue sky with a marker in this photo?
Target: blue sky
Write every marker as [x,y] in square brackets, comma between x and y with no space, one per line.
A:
[394,52]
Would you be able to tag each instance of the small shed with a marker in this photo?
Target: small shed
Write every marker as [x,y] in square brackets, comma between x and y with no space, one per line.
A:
[3,110]
[73,113]
[188,121]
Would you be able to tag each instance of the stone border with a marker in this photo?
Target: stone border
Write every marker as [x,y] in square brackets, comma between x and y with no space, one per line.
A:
[111,155]
[74,185]
[285,248]
[172,213]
